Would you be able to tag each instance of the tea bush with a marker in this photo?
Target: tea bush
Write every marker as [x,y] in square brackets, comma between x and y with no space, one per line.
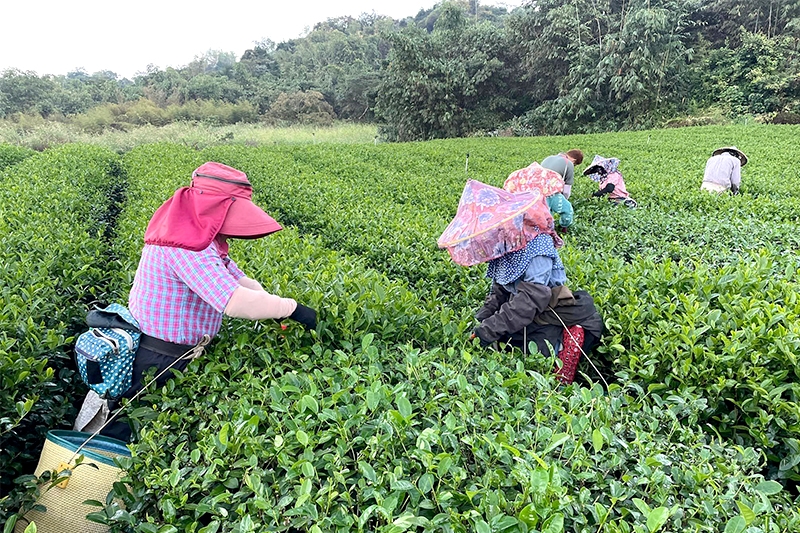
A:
[55,208]
[11,155]
[396,439]
[388,204]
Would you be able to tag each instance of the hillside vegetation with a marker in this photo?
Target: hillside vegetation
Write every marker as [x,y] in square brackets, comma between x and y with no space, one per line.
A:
[462,68]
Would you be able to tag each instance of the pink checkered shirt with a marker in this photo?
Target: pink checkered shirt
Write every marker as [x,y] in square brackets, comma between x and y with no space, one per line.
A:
[179,295]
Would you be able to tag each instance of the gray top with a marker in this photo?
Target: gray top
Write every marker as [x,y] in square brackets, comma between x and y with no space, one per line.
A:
[562,165]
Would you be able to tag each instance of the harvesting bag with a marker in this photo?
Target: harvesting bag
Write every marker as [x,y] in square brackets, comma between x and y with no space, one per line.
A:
[534,176]
[491,222]
[105,353]
[93,479]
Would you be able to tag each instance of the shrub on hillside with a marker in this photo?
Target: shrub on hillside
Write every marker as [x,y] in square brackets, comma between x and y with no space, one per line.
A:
[143,112]
[786,117]
[99,118]
[304,107]
[213,112]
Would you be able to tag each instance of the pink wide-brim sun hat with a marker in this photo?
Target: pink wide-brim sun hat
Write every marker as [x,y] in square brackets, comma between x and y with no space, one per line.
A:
[244,219]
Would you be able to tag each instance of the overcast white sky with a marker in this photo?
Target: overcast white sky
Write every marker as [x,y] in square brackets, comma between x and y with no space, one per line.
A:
[58,36]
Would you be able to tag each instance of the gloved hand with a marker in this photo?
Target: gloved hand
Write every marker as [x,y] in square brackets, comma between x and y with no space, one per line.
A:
[306,316]
[484,342]
[609,188]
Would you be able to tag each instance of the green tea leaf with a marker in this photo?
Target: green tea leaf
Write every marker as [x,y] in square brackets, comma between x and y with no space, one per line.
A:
[555,441]
[366,341]
[554,524]
[367,471]
[747,513]
[10,523]
[529,516]
[736,524]
[444,466]
[769,487]
[597,440]
[373,399]
[404,406]
[642,506]
[302,437]
[657,518]
[425,483]
[310,403]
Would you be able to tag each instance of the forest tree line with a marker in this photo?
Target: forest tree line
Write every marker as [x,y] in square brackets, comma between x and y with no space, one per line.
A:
[462,68]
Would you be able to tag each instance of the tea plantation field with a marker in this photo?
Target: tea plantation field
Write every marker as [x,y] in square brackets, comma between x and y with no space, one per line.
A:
[388,418]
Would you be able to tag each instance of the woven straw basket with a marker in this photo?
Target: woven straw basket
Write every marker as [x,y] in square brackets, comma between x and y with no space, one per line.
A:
[66,512]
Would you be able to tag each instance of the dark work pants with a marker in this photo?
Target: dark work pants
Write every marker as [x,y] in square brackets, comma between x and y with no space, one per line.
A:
[145,360]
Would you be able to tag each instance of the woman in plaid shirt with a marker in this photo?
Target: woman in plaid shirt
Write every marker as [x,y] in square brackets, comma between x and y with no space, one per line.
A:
[186,282]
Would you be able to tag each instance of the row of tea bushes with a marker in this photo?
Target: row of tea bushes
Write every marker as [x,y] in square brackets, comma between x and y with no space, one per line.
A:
[55,209]
[395,439]
[384,204]
[348,295]
[698,290]
[388,204]
[729,334]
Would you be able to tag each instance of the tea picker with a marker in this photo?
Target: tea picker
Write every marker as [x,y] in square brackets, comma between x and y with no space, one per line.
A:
[723,172]
[564,164]
[605,171]
[529,298]
[186,281]
[551,185]
[184,284]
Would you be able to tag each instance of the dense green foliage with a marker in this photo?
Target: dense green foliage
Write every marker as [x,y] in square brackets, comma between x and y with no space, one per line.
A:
[11,155]
[456,80]
[388,419]
[461,68]
[55,209]
[714,258]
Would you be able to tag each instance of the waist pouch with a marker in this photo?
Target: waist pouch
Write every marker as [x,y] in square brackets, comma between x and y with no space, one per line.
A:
[104,354]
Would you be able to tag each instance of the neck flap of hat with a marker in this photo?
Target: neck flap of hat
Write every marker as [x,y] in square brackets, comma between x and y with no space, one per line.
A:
[189,220]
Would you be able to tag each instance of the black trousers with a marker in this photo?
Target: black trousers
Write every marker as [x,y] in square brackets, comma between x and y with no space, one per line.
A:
[145,359]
